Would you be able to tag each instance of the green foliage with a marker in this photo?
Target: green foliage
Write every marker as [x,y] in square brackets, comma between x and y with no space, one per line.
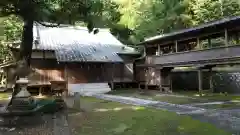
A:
[129,20]
[209,10]
[13,28]
[5,53]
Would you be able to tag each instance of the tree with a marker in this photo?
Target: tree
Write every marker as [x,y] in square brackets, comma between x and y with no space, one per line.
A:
[47,11]
[41,11]
[209,10]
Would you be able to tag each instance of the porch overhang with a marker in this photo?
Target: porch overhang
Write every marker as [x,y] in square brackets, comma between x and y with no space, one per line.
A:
[217,56]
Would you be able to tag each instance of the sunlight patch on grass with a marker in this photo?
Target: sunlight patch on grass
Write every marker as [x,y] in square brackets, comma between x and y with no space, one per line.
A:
[138,120]
[119,109]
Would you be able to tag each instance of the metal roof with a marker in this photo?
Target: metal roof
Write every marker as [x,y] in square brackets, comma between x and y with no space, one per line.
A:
[77,44]
[189,30]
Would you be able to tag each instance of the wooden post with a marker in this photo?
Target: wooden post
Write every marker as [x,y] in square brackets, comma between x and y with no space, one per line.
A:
[112,82]
[159,50]
[122,70]
[76,101]
[66,79]
[160,80]
[226,37]
[146,79]
[200,79]
[176,46]
[102,72]
[210,80]
[198,44]
[209,43]
[171,88]
[237,38]
[40,91]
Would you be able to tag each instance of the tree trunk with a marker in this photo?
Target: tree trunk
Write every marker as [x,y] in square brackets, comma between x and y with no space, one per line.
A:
[23,64]
[27,41]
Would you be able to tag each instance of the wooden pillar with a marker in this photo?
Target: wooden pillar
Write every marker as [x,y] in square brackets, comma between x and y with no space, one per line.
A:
[226,37]
[160,80]
[209,43]
[122,72]
[159,50]
[176,46]
[237,37]
[134,71]
[112,77]
[66,79]
[210,80]
[102,72]
[200,80]
[146,79]
[171,87]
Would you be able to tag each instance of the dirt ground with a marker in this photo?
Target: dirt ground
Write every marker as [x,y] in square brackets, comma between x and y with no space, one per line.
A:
[40,124]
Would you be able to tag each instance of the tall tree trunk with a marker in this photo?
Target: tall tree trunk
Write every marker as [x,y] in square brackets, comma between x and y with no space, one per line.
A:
[27,41]
[23,64]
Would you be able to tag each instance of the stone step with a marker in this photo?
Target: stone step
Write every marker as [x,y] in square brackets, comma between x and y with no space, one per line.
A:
[89,87]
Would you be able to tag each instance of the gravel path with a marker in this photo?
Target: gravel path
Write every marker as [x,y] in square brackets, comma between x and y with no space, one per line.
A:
[228,120]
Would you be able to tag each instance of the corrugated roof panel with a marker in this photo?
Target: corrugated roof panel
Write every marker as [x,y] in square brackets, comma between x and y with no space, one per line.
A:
[76,44]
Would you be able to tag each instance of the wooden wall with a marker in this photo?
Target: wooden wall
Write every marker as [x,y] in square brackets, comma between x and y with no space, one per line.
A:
[43,71]
[93,72]
[152,75]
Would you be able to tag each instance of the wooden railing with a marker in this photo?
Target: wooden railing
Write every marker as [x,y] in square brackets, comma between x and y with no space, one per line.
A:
[209,56]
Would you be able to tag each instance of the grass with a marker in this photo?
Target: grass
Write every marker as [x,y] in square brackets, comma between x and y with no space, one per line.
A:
[190,97]
[111,118]
[154,95]
[226,105]
[212,96]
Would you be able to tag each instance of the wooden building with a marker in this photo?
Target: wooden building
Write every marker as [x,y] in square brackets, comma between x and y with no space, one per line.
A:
[203,47]
[72,54]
